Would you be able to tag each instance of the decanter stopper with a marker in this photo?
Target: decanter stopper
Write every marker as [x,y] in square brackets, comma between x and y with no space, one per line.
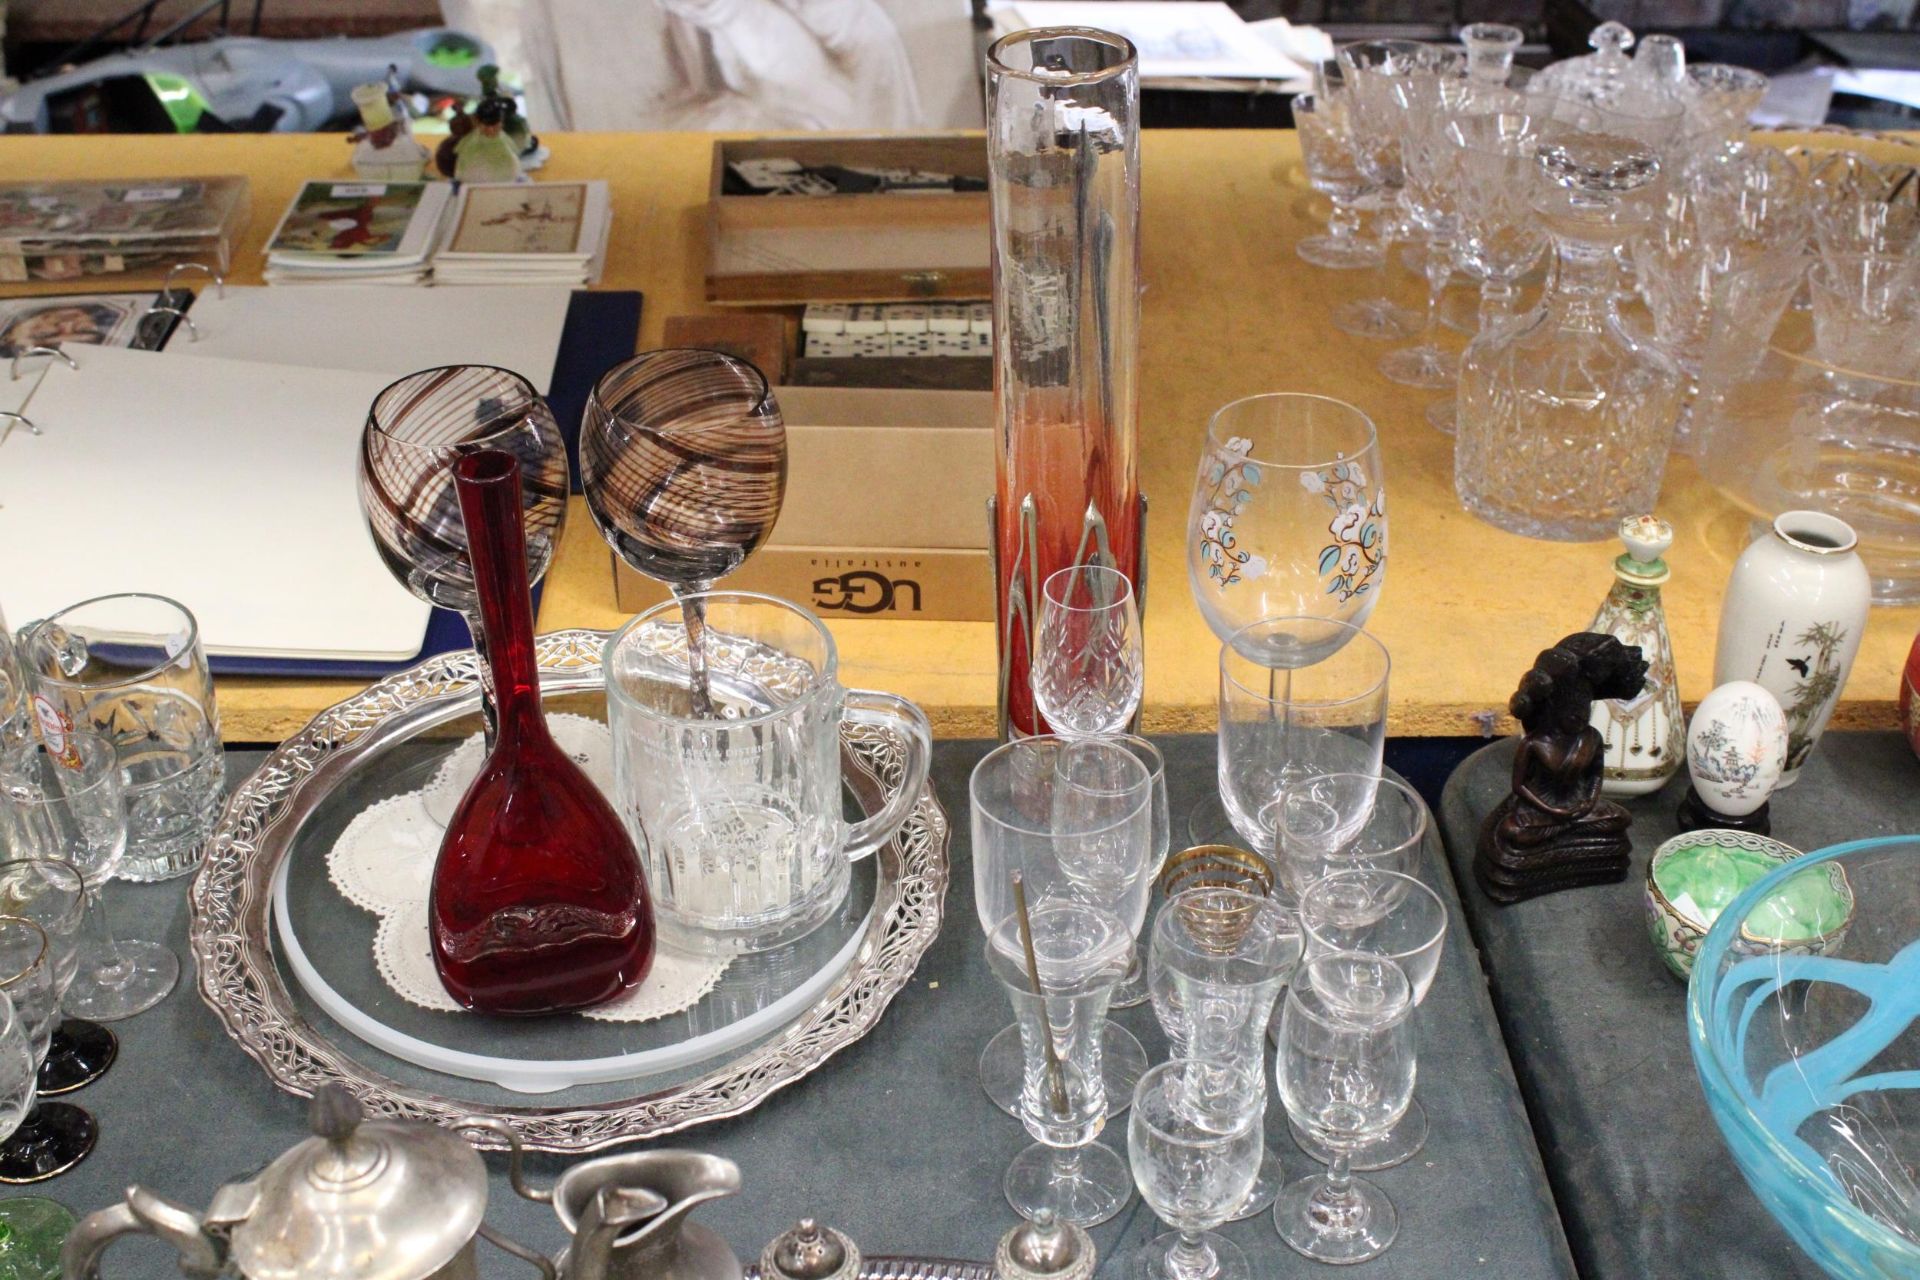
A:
[809,1251]
[1490,48]
[1045,1249]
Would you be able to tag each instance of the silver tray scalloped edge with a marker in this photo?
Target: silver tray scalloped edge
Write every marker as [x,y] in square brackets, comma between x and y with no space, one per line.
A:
[914,1269]
[230,905]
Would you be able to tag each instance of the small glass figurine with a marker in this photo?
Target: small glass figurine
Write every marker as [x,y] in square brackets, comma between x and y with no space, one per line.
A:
[1566,417]
[485,153]
[1645,735]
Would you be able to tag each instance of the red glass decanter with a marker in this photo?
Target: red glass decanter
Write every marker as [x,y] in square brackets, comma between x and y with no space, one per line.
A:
[538,902]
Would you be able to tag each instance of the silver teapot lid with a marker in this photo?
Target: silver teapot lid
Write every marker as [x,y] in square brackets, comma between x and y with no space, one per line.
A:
[809,1251]
[1045,1249]
[360,1200]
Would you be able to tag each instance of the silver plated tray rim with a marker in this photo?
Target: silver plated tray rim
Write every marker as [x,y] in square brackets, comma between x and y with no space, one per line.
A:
[886,1268]
[230,932]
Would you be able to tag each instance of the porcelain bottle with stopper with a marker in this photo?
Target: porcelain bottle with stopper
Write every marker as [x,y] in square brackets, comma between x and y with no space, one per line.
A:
[1795,609]
[1645,735]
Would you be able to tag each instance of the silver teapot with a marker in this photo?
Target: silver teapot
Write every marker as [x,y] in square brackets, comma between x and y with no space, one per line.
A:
[360,1200]
[397,1200]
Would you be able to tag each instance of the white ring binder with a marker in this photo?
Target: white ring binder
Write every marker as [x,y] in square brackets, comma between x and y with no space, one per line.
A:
[38,351]
[219,281]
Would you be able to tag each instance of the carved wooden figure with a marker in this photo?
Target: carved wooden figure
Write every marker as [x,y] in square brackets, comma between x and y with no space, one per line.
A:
[1555,830]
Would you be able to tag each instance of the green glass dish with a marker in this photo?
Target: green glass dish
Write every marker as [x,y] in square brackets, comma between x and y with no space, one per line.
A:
[1694,876]
[32,1229]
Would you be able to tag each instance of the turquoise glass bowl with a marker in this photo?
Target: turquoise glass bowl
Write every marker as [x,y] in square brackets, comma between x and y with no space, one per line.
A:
[1811,1062]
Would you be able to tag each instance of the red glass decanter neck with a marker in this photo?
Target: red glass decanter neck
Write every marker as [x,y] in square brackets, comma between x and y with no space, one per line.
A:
[488,483]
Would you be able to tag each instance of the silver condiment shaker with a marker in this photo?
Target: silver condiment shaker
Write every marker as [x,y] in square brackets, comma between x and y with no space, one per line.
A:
[1045,1249]
[809,1251]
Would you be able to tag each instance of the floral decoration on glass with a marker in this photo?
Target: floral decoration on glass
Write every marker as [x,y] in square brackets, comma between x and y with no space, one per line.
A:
[1234,476]
[1287,517]
[1359,528]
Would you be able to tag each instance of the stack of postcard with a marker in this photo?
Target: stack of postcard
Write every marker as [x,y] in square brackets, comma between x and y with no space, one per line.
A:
[522,233]
[358,233]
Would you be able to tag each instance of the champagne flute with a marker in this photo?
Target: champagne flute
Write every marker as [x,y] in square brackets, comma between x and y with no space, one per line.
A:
[683,459]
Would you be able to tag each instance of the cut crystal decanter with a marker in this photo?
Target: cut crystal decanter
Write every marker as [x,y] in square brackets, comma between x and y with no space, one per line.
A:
[1565,417]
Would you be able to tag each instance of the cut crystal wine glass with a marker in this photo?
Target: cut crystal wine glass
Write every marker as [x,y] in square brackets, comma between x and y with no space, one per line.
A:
[1326,150]
[1346,1071]
[1088,660]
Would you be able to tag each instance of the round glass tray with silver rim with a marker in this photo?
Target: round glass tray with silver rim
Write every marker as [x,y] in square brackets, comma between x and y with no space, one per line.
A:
[310,1007]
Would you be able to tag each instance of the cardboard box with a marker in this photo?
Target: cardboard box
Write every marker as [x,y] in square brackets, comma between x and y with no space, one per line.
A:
[885,512]
[929,585]
[875,468]
[850,248]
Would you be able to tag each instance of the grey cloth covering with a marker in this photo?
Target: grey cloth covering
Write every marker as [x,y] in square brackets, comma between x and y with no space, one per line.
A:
[1596,1026]
[892,1141]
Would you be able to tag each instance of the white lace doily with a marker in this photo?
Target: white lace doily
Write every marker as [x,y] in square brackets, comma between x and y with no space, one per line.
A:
[383,863]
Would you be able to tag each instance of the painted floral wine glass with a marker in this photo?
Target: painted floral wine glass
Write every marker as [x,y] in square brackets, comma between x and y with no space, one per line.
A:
[683,459]
[1289,519]
[417,428]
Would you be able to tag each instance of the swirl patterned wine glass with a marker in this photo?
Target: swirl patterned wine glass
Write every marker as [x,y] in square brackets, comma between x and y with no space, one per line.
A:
[683,459]
[1087,663]
[417,428]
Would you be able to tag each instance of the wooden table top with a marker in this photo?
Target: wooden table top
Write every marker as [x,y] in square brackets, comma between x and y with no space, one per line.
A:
[1228,311]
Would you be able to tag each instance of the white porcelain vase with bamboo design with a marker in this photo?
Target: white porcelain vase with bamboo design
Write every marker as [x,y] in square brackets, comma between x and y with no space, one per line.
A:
[1795,609]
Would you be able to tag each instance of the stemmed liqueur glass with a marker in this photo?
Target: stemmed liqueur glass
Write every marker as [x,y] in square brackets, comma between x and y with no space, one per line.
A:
[1346,1072]
[1088,660]
[53,1136]
[417,428]
[1194,1140]
[1218,961]
[1076,818]
[69,805]
[1335,822]
[1384,913]
[683,459]
[1132,990]
[49,892]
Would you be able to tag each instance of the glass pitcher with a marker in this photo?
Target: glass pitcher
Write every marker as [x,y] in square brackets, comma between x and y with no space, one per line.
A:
[1565,417]
[736,806]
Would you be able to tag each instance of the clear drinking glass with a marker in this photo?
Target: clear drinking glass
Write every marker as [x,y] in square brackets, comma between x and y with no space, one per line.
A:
[1409,86]
[1087,657]
[416,429]
[1565,418]
[1218,962]
[1132,990]
[736,807]
[53,1136]
[1060,1000]
[1346,1072]
[68,805]
[1381,913]
[50,892]
[1280,724]
[16,716]
[1347,822]
[16,1068]
[1194,1142]
[1075,817]
[130,668]
[1326,151]
[1288,518]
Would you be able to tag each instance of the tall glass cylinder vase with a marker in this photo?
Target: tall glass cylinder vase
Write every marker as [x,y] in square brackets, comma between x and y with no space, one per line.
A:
[1063,143]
